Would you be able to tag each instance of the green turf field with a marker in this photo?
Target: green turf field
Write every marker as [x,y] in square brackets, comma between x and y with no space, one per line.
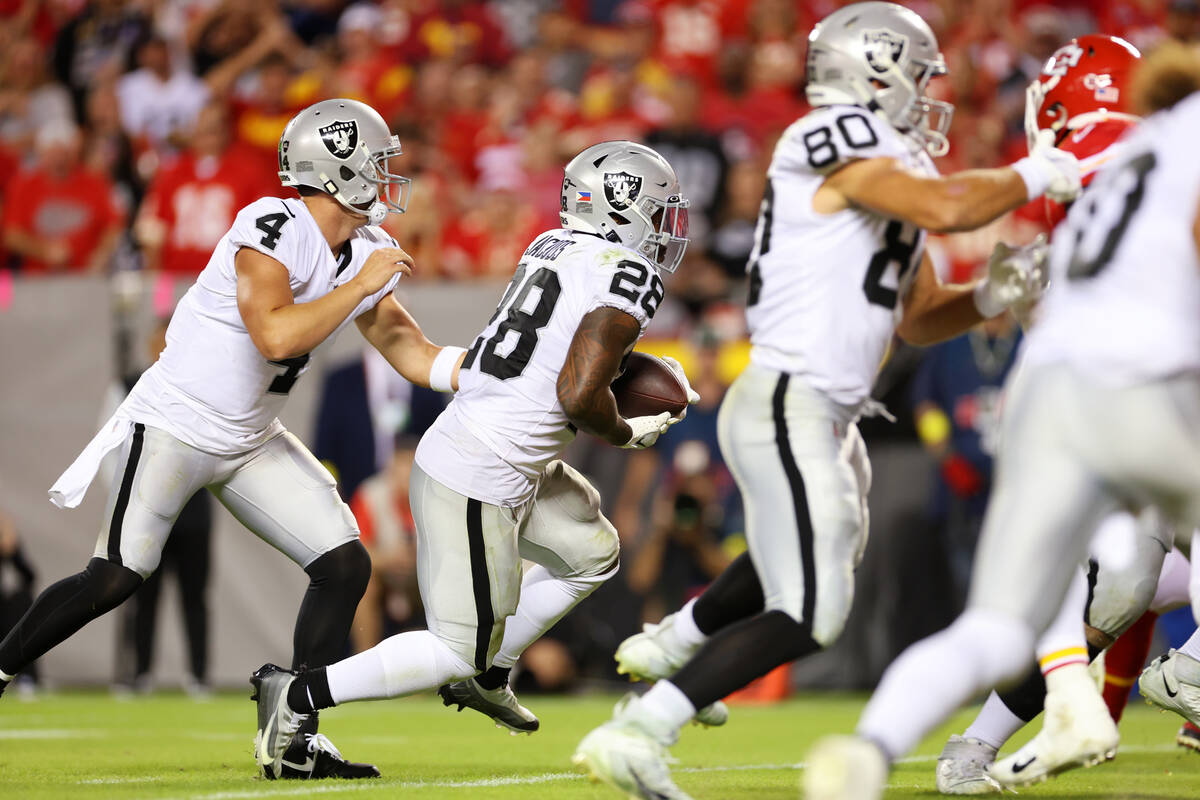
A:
[83,746]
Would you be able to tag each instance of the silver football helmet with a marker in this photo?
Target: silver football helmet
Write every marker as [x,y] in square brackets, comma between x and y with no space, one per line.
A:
[342,147]
[882,56]
[628,194]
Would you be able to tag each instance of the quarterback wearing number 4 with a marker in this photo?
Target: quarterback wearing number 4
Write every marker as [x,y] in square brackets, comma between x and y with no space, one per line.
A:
[838,269]
[287,276]
[487,489]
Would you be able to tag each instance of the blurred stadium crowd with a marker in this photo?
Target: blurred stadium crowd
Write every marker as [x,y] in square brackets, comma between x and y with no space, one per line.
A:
[132,131]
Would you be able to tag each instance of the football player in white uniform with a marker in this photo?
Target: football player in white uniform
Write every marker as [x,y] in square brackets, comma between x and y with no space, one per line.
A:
[838,269]
[487,488]
[287,276]
[1118,339]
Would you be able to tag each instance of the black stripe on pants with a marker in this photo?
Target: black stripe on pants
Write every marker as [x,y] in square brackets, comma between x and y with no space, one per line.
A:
[485,620]
[118,517]
[799,499]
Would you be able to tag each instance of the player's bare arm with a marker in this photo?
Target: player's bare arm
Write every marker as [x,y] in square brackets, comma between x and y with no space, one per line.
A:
[281,328]
[940,204]
[395,334]
[603,338]
[935,311]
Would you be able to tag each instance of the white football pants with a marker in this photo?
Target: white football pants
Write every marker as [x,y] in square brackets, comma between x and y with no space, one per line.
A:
[802,468]
[469,558]
[278,490]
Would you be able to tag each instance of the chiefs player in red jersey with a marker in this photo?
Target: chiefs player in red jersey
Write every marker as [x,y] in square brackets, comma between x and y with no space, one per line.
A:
[1081,100]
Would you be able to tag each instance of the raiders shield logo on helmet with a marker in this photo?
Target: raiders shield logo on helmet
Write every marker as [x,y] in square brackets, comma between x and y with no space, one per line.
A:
[883,48]
[621,189]
[340,137]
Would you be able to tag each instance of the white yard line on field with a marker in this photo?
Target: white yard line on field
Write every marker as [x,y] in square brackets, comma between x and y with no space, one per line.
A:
[273,790]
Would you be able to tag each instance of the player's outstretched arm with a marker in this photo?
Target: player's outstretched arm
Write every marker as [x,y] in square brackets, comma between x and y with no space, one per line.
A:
[961,201]
[602,339]
[393,332]
[282,328]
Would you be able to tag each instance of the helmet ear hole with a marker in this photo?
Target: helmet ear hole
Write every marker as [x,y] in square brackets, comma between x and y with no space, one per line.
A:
[346,173]
[617,218]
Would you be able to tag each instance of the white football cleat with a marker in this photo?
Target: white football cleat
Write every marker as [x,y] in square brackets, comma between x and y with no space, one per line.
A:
[1172,682]
[845,768]
[628,757]
[500,704]
[657,653]
[1077,731]
[962,768]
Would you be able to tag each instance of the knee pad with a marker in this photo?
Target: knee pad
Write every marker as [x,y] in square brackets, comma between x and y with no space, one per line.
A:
[592,548]
[348,565]
[111,584]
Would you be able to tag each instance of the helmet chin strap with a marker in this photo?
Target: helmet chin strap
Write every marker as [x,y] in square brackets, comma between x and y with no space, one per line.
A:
[376,213]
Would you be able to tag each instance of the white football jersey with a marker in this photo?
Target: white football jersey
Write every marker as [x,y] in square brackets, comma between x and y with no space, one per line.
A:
[211,388]
[505,423]
[1124,297]
[825,288]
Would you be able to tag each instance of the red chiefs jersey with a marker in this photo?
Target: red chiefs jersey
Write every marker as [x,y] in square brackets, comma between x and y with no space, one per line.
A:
[197,198]
[1093,146]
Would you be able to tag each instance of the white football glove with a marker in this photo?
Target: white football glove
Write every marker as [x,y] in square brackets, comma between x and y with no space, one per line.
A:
[1018,275]
[646,430]
[1050,171]
[677,368]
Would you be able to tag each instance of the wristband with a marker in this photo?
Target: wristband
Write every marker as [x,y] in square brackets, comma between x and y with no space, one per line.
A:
[442,371]
[1034,176]
[985,303]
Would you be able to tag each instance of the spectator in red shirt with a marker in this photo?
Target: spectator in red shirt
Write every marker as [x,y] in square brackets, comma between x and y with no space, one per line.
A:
[461,30]
[60,216]
[193,201]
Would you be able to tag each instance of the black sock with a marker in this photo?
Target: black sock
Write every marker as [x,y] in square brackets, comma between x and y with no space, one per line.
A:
[1028,697]
[735,595]
[740,653]
[493,677]
[64,608]
[310,692]
[337,581]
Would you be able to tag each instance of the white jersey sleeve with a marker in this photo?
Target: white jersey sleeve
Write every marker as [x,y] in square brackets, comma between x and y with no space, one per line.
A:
[825,288]
[505,423]
[267,225]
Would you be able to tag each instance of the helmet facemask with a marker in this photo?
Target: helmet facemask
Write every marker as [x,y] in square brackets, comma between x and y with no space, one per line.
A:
[924,118]
[666,225]
[391,189]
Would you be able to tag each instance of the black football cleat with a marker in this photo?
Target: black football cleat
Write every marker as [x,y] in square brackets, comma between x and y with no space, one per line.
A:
[311,756]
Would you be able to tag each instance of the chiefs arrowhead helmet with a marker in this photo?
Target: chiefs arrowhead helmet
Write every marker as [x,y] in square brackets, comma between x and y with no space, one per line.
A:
[1084,82]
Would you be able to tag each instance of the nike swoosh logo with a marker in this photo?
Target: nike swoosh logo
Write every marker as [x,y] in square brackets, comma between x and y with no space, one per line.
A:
[1167,686]
[1021,767]
[646,791]
[305,767]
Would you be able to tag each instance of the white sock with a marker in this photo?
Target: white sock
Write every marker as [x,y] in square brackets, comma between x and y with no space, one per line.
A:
[934,677]
[1064,642]
[665,709]
[402,664]
[545,600]
[686,630]
[5,677]
[1192,646]
[995,724]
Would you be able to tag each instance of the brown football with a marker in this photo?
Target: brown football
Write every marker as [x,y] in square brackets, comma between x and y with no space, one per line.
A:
[648,387]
